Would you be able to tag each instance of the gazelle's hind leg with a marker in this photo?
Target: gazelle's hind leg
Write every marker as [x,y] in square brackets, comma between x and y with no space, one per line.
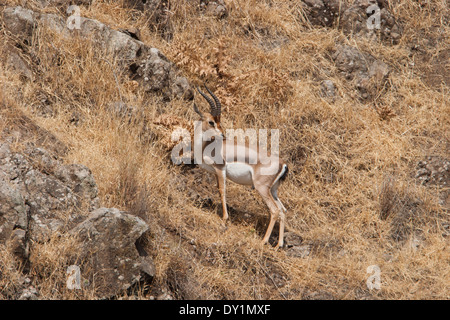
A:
[275,212]
[274,191]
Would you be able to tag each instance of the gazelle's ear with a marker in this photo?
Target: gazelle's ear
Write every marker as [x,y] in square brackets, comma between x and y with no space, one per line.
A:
[198,111]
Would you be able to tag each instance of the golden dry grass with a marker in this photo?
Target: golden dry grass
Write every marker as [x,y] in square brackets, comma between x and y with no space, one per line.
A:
[351,192]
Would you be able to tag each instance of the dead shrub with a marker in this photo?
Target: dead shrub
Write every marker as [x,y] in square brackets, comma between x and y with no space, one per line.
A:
[401,206]
[180,280]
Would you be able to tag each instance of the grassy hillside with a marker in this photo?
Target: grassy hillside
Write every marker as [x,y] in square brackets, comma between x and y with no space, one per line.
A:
[352,193]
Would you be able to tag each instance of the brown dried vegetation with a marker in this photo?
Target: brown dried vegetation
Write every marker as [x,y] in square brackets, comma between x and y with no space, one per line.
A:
[351,192]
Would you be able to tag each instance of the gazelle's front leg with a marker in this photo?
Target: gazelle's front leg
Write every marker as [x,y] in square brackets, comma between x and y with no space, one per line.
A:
[221,183]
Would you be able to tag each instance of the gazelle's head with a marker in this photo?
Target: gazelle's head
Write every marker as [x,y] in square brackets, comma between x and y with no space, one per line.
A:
[210,120]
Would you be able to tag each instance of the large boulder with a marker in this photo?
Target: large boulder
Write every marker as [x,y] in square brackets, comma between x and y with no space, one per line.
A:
[39,195]
[156,73]
[20,22]
[108,251]
[13,217]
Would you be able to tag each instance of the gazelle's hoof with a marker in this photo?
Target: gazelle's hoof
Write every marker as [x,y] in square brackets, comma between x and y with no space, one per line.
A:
[223,227]
[279,246]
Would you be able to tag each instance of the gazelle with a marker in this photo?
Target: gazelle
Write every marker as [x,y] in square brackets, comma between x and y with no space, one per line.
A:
[240,163]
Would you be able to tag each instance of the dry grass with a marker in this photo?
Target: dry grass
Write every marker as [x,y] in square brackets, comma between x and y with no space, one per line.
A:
[350,193]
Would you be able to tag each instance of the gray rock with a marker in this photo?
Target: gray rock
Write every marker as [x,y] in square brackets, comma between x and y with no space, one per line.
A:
[39,195]
[215,8]
[147,267]
[107,248]
[123,46]
[13,212]
[79,178]
[295,247]
[292,239]
[328,89]
[182,89]
[120,44]
[322,13]
[157,73]
[18,64]
[302,251]
[19,21]
[146,64]
[29,293]
[364,70]
[355,18]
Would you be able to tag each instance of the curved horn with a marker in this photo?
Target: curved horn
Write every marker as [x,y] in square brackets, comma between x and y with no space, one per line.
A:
[216,100]
[211,103]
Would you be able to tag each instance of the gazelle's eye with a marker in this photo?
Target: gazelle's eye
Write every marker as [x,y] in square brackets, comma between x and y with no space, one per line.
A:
[211,123]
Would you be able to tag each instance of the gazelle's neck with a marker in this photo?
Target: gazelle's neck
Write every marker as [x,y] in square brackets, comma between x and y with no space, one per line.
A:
[198,147]
[208,150]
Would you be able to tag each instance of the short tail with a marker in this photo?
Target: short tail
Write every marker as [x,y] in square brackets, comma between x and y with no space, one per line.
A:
[285,173]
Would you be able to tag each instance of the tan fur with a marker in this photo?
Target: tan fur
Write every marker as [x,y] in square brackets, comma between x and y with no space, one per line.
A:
[266,185]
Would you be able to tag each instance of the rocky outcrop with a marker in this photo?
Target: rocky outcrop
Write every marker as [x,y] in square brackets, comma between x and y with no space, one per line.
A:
[43,199]
[369,18]
[363,18]
[20,22]
[108,251]
[39,195]
[365,71]
[145,64]
[15,61]
[156,73]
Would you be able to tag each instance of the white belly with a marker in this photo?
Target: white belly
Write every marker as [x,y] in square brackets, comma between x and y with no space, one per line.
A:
[239,172]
